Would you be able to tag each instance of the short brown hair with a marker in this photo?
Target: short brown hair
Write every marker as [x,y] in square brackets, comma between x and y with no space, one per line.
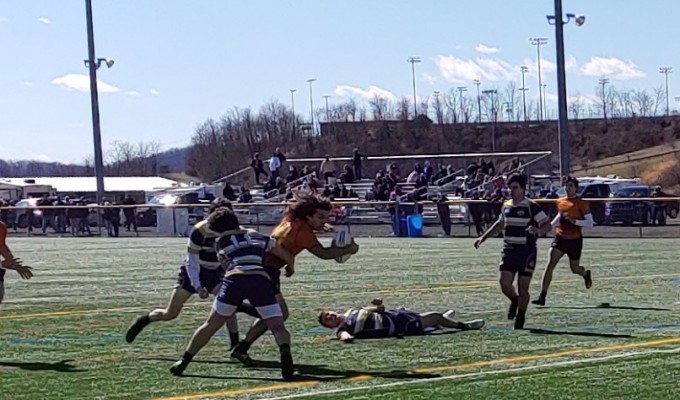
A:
[519,179]
[571,179]
[305,205]
[219,203]
[223,219]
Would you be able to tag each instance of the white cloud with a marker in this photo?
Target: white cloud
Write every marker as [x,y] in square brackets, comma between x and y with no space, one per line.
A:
[430,79]
[612,67]
[132,93]
[27,83]
[4,19]
[44,20]
[459,70]
[371,92]
[486,49]
[81,83]
[39,157]
[154,92]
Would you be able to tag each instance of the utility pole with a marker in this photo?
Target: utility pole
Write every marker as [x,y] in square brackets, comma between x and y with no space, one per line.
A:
[538,42]
[292,103]
[328,114]
[524,89]
[414,61]
[666,71]
[603,83]
[311,102]
[479,101]
[461,89]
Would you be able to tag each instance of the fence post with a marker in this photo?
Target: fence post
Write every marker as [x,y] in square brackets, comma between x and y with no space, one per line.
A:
[467,215]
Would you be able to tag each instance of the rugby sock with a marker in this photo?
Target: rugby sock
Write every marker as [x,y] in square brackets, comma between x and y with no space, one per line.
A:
[234,338]
[187,357]
[512,311]
[242,347]
[519,320]
[287,368]
[137,327]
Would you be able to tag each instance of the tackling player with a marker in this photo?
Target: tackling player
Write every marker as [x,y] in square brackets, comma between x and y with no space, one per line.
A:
[295,233]
[201,274]
[8,259]
[242,254]
[521,220]
[573,213]
[376,322]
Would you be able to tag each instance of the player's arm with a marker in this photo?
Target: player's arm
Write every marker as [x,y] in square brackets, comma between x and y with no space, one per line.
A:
[329,253]
[344,336]
[556,221]
[541,219]
[8,259]
[377,305]
[193,262]
[284,255]
[494,230]
[587,221]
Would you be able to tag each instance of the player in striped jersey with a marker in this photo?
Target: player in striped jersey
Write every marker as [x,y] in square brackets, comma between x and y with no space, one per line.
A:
[201,274]
[573,214]
[375,321]
[521,220]
[242,253]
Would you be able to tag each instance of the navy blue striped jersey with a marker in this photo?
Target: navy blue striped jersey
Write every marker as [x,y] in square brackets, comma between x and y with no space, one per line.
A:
[517,218]
[202,241]
[364,324]
[243,250]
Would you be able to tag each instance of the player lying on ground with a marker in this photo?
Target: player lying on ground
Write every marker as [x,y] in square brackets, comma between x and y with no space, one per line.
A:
[201,273]
[573,213]
[296,232]
[8,259]
[521,220]
[377,322]
[242,254]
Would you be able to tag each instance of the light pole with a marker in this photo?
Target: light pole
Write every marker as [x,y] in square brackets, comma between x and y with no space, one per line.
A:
[538,42]
[414,61]
[545,102]
[93,64]
[460,90]
[491,93]
[328,114]
[292,104]
[311,102]
[524,89]
[677,98]
[563,118]
[479,101]
[666,71]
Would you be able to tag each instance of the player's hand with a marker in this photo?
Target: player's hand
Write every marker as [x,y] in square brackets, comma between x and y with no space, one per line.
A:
[203,293]
[533,230]
[377,301]
[11,263]
[24,271]
[478,243]
[348,339]
[290,270]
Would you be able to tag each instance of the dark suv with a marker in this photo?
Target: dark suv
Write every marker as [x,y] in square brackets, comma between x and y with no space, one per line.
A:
[645,212]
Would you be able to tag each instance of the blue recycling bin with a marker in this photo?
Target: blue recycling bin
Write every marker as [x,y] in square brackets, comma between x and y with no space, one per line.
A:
[414,223]
[399,225]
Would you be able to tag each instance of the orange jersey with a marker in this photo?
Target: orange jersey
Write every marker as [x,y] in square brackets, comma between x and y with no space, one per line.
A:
[576,208]
[294,236]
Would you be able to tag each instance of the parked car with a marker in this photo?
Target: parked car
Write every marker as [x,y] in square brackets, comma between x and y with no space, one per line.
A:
[22,215]
[644,212]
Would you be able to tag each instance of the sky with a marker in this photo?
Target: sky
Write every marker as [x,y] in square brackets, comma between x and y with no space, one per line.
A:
[180,62]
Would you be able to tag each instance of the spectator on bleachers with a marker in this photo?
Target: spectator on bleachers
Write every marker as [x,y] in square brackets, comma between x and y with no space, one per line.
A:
[293,174]
[442,173]
[347,175]
[245,196]
[305,170]
[428,170]
[415,174]
[328,169]
[275,165]
[357,164]
[258,167]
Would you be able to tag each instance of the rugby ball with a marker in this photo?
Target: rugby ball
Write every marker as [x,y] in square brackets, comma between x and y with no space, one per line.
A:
[342,239]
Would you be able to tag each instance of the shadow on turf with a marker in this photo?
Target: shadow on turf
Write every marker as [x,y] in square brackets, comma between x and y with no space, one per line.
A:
[577,333]
[607,306]
[59,366]
[304,371]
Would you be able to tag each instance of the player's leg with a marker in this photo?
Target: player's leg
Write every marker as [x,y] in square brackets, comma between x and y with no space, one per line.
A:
[555,254]
[506,282]
[523,283]
[177,300]
[436,320]
[201,337]
[2,284]
[259,327]
[273,317]
[574,254]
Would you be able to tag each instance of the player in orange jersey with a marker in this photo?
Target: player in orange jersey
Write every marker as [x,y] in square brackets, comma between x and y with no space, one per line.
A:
[296,232]
[8,259]
[573,213]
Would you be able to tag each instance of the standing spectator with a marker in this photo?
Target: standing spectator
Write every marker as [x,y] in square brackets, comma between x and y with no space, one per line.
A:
[328,169]
[130,213]
[274,166]
[356,162]
[282,157]
[258,167]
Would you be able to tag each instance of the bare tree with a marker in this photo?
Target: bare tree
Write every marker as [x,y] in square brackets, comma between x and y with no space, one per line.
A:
[438,108]
[511,96]
[576,106]
[379,107]
[658,99]
[403,108]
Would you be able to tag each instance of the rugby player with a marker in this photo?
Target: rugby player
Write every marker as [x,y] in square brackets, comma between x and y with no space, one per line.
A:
[242,254]
[521,220]
[296,232]
[573,213]
[201,274]
[377,322]
[9,261]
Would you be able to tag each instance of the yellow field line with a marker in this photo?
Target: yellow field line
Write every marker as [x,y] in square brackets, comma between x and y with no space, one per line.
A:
[461,285]
[506,360]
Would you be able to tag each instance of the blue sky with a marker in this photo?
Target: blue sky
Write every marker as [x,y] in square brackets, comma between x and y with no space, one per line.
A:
[181,62]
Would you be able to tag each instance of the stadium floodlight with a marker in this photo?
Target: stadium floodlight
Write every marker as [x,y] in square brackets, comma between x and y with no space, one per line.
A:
[579,19]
